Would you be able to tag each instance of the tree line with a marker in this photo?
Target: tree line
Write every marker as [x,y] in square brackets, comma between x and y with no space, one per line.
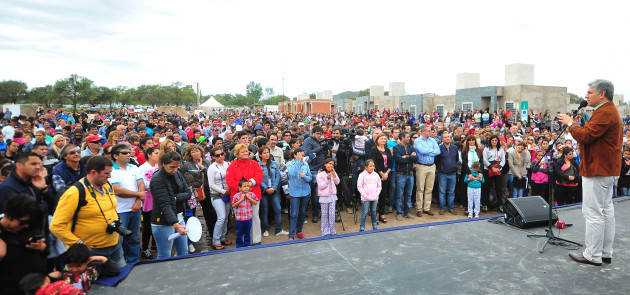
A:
[76,90]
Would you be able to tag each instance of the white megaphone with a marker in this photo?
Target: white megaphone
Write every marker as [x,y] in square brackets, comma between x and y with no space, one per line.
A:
[193,230]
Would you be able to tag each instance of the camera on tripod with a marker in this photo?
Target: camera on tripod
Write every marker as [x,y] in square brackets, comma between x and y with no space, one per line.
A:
[116,226]
[326,144]
[347,138]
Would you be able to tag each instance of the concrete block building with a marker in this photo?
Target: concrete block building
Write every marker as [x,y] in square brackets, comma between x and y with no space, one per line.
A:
[518,88]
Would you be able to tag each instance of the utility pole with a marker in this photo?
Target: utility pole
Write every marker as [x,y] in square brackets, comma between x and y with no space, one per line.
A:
[198,95]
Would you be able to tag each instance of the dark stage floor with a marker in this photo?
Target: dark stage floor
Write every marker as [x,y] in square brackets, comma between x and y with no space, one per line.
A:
[476,257]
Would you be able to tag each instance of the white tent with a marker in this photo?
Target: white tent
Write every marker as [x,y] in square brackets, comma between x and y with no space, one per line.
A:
[211,103]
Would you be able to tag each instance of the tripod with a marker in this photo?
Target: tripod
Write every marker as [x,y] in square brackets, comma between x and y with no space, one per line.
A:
[338,214]
[551,238]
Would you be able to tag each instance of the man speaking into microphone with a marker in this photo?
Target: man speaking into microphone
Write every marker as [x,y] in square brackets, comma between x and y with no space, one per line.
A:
[600,142]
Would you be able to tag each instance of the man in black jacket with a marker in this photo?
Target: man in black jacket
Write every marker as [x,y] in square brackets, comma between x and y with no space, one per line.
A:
[405,156]
[447,172]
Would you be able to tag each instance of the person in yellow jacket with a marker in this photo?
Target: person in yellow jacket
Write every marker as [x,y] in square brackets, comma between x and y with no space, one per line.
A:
[96,220]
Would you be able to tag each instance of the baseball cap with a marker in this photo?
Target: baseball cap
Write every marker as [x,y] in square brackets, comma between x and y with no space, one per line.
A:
[202,139]
[92,138]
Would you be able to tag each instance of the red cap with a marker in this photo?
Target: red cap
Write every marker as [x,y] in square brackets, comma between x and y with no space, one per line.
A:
[92,138]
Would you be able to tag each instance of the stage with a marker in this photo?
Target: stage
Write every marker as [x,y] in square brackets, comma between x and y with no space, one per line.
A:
[469,257]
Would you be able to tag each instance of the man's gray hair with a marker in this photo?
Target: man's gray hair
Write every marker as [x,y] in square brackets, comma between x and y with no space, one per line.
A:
[603,85]
[425,127]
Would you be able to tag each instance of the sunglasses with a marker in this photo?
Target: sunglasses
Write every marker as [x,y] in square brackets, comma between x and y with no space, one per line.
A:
[125,153]
[219,155]
[74,152]
[96,142]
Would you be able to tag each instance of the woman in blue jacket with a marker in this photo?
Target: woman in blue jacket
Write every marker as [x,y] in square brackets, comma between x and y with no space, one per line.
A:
[269,188]
[299,191]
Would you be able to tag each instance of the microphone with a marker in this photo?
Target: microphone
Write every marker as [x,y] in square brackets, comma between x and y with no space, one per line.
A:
[582,105]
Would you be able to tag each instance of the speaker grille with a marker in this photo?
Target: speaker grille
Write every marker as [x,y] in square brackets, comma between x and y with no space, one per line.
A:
[528,212]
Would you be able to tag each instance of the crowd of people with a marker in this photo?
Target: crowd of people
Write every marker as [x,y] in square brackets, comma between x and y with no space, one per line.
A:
[73,179]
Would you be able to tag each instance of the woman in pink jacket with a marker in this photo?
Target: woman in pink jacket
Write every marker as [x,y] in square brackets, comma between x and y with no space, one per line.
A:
[369,186]
[327,180]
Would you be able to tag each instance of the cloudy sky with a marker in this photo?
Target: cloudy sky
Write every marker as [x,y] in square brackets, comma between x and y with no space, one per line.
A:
[315,45]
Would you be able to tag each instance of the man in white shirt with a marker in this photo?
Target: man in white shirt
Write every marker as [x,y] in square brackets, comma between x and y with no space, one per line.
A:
[129,188]
[9,130]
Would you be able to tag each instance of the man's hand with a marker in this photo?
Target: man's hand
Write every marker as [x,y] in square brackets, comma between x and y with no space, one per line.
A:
[566,119]
[3,249]
[413,153]
[137,205]
[269,191]
[39,181]
[571,178]
[302,174]
[227,191]
[38,245]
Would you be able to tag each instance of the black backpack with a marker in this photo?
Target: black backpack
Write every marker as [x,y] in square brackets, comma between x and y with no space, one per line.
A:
[82,201]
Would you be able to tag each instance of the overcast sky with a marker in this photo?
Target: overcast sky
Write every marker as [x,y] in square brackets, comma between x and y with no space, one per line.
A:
[316,45]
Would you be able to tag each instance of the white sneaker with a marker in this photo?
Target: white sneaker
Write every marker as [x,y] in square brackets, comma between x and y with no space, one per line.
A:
[282,233]
[476,215]
[191,248]
[266,233]
[470,216]
[285,211]
[305,222]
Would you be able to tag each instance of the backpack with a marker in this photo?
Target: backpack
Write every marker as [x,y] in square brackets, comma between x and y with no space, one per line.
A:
[82,201]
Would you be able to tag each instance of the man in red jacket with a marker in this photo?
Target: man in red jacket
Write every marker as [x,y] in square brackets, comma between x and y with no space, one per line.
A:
[600,143]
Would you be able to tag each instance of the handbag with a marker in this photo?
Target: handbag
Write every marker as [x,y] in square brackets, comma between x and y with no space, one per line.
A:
[491,171]
[519,183]
[200,193]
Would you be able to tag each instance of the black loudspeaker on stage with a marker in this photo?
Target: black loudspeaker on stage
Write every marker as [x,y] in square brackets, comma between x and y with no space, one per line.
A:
[528,212]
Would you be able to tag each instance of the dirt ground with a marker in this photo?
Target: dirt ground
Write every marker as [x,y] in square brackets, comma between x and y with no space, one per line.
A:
[175,110]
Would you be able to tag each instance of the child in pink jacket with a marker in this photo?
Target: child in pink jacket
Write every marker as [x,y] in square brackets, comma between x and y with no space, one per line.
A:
[327,180]
[369,186]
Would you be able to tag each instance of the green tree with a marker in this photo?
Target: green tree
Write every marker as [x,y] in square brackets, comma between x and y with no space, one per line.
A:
[254,91]
[364,92]
[574,98]
[43,95]
[76,89]
[269,93]
[312,96]
[103,95]
[275,100]
[184,95]
[125,95]
[12,91]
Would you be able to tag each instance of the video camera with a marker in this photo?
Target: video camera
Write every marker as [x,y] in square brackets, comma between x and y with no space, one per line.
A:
[347,138]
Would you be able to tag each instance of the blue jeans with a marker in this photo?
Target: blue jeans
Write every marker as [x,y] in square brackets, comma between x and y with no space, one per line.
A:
[164,246]
[298,211]
[392,189]
[115,253]
[516,192]
[314,196]
[131,244]
[371,206]
[274,199]
[243,233]
[404,183]
[447,186]
[625,191]
[220,227]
